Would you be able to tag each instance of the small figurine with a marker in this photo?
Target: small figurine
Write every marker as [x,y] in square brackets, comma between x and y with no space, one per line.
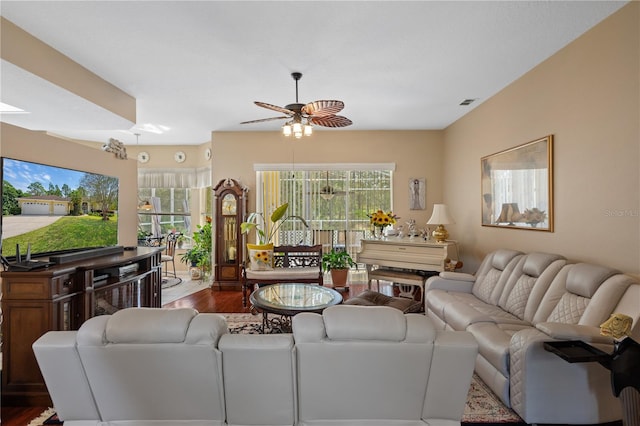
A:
[412,228]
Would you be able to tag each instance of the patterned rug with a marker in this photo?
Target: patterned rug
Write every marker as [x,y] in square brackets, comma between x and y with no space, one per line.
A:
[483,406]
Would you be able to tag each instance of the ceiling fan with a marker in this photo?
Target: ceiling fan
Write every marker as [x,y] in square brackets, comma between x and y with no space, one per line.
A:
[327,192]
[320,113]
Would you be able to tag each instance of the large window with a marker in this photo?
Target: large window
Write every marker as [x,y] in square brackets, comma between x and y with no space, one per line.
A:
[172,194]
[333,199]
[173,205]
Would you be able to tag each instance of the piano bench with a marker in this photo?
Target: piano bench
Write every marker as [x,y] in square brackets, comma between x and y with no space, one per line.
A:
[400,277]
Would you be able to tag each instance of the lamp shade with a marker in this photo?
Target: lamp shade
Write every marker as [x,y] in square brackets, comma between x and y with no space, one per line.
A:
[441,215]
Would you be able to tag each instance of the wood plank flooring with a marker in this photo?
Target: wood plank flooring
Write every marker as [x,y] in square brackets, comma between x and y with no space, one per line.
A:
[207,300]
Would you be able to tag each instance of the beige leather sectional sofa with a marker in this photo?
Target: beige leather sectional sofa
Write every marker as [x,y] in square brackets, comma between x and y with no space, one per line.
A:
[517,301]
[351,366]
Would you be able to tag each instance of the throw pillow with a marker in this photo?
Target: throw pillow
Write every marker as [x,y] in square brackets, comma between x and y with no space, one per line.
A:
[260,257]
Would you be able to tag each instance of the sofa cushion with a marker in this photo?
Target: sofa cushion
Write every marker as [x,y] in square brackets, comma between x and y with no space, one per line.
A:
[536,263]
[149,325]
[493,275]
[584,279]
[528,282]
[306,272]
[260,257]
[364,323]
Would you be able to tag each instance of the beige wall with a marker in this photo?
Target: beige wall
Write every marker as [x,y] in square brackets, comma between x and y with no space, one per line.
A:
[587,96]
[416,154]
[39,147]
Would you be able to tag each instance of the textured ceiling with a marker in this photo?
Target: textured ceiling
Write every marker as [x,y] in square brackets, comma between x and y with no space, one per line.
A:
[196,67]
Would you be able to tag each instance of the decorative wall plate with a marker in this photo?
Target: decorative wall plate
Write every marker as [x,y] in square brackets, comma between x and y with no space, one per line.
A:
[207,154]
[180,156]
[143,157]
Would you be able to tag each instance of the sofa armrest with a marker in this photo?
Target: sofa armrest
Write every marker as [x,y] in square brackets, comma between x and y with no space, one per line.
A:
[59,362]
[451,281]
[454,356]
[586,333]
[577,392]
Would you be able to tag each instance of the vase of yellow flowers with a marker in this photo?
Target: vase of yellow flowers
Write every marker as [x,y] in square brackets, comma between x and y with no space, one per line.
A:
[380,220]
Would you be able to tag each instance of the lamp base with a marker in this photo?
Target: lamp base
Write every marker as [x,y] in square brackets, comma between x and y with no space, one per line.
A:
[440,234]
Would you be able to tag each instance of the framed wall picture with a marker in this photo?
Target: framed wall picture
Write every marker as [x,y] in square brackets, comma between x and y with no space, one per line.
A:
[417,193]
[517,187]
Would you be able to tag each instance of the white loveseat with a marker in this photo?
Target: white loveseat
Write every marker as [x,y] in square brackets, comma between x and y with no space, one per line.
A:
[350,366]
[515,303]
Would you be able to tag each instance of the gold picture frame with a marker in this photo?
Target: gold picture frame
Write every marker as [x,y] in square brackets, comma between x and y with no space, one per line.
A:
[517,187]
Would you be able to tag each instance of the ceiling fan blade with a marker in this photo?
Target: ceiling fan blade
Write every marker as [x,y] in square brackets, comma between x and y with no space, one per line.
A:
[262,120]
[274,108]
[322,108]
[332,121]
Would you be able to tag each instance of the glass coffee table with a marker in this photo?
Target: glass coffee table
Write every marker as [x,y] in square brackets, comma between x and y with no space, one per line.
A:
[288,299]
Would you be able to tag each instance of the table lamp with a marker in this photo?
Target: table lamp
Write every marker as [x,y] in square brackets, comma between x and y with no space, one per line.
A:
[440,217]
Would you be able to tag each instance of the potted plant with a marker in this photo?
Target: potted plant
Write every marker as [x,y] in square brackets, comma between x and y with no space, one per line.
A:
[266,231]
[261,254]
[199,255]
[338,263]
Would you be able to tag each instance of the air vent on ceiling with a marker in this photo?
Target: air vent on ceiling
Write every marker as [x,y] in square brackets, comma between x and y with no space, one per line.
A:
[467,102]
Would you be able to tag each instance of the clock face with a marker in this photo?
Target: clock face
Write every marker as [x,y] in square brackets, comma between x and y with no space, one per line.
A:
[180,156]
[228,204]
[143,157]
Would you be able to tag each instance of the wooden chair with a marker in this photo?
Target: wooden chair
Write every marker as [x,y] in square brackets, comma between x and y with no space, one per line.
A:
[170,254]
[291,264]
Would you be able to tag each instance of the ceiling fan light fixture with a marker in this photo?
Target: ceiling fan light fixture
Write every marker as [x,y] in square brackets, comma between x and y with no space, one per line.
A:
[286,129]
[297,129]
[308,129]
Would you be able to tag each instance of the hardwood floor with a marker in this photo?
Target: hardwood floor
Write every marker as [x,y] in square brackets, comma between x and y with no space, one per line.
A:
[207,300]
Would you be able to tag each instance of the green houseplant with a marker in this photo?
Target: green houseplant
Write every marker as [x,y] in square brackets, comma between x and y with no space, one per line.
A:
[199,255]
[265,231]
[338,263]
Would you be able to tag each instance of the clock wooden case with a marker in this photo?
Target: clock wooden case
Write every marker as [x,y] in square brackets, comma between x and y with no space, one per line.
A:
[230,210]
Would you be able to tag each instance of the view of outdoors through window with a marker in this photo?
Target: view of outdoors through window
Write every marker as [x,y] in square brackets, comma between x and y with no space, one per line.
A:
[174,202]
[334,203]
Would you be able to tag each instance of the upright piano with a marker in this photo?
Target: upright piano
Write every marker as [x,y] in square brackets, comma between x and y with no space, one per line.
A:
[407,253]
[405,261]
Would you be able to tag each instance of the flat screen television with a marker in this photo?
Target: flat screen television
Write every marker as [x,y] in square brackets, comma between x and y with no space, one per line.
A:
[53,210]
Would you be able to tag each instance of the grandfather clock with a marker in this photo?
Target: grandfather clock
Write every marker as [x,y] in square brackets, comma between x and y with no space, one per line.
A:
[230,210]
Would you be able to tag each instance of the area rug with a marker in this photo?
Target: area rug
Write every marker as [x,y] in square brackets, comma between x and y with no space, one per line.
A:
[483,406]
[168,282]
[48,417]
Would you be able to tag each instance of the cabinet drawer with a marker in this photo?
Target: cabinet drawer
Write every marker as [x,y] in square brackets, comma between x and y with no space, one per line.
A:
[62,285]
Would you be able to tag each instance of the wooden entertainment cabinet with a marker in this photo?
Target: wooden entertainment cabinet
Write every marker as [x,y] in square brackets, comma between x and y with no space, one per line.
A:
[62,297]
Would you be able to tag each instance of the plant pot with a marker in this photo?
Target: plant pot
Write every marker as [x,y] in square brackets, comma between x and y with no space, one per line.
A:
[195,272]
[339,277]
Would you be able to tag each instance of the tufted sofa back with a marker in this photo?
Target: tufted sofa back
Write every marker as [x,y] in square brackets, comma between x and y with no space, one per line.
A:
[583,294]
[493,274]
[528,282]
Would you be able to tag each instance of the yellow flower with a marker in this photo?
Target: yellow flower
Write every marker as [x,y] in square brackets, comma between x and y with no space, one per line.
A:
[262,256]
[381,219]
